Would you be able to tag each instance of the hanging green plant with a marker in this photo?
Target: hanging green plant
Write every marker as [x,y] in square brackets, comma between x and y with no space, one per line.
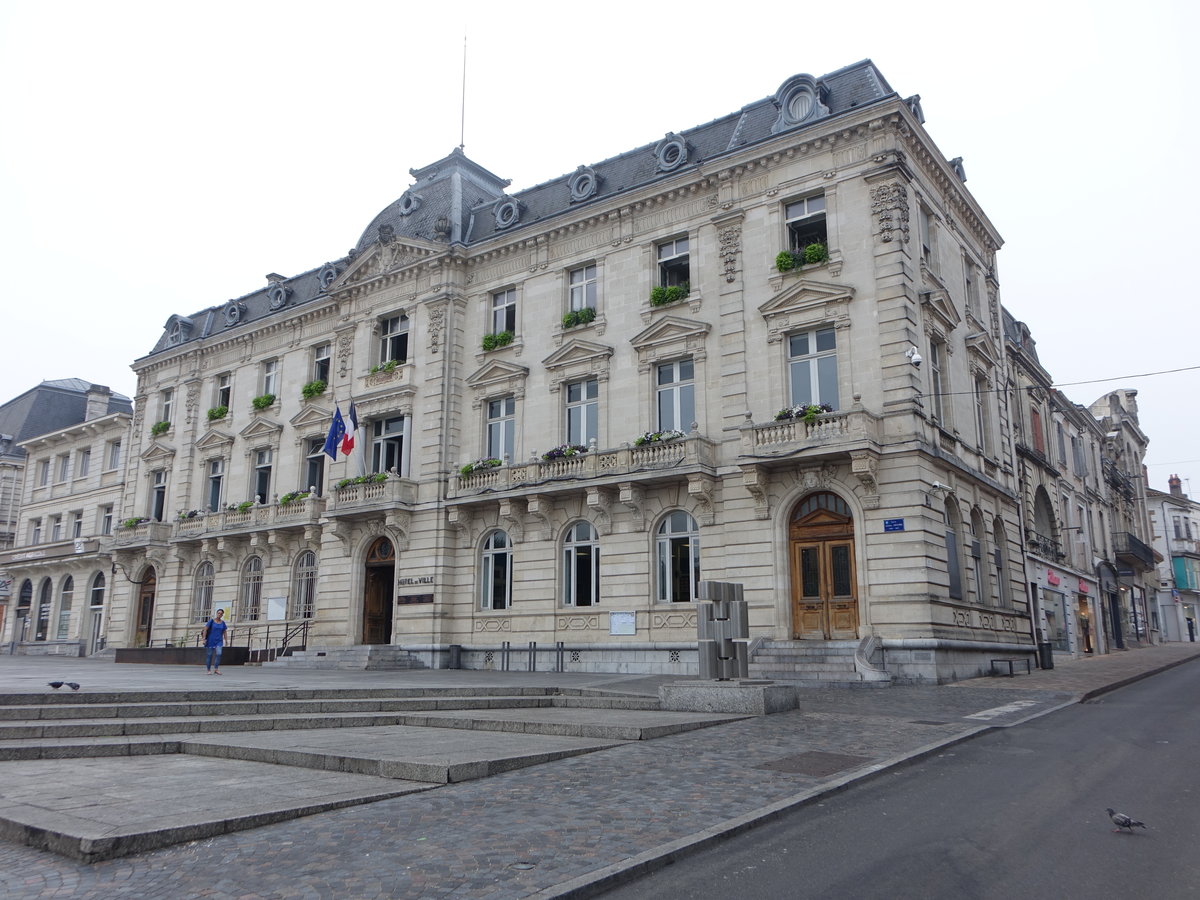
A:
[263,401]
[159,428]
[313,389]
[497,340]
[217,413]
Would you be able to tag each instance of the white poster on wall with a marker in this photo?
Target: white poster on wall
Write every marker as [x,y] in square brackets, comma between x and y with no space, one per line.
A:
[276,608]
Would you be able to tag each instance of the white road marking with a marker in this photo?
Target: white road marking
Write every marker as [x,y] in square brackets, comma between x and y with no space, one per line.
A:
[995,712]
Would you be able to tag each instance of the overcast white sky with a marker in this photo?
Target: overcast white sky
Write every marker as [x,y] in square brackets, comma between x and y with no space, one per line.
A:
[161,158]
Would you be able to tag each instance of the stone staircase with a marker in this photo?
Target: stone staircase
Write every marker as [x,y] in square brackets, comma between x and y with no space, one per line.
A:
[816,664]
[363,656]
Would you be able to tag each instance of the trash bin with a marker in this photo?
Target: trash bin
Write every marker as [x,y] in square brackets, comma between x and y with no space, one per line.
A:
[455,660]
[1045,654]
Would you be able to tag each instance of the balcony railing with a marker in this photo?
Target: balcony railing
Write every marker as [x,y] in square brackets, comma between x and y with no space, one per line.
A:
[304,511]
[826,430]
[145,533]
[1179,545]
[1043,545]
[1130,549]
[1120,481]
[372,495]
[681,455]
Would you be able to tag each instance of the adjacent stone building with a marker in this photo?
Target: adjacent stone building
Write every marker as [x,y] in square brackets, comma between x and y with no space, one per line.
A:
[1175,524]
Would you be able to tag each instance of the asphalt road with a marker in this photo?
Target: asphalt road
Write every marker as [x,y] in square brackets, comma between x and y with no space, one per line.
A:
[1015,813]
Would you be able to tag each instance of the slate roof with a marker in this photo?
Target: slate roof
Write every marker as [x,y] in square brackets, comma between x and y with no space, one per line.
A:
[454,199]
[48,407]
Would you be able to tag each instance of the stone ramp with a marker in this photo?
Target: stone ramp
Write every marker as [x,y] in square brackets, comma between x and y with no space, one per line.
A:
[114,807]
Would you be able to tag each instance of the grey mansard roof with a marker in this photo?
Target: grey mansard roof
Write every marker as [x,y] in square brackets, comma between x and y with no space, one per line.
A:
[457,201]
[48,407]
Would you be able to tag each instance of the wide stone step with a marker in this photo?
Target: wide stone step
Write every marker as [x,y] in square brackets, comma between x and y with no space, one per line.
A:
[211,695]
[801,650]
[803,665]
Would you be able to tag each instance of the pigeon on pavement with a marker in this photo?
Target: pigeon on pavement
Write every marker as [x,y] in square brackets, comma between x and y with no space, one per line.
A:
[55,684]
[72,685]
[1123,821]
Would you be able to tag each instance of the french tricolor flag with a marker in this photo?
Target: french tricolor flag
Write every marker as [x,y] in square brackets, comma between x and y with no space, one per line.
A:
[351,432]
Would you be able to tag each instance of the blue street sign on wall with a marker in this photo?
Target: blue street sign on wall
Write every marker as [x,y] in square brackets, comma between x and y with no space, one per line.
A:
[893,524]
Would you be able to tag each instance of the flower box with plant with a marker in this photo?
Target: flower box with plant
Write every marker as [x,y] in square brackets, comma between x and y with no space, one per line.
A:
[806,411]
[564,451]
[497,340]
[584,316]
[664,296]
[376,478]
[263,401]
[657,437]
[384,367]
[293,497]
[489,462]
[192,514]
[134,522]
[313,389]
[240,507]
[159,428]
[217,413]
[808,255]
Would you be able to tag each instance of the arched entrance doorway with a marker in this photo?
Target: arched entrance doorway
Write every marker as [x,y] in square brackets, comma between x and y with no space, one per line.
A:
[145,615]
[824,586]
[378,591]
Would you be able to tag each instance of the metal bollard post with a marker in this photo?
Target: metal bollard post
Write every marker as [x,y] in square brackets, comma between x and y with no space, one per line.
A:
[504,648]
[558,657]
[533,656]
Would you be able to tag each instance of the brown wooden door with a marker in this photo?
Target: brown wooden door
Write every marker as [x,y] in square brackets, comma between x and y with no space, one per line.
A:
[377,595]
[145,618]
[824,581]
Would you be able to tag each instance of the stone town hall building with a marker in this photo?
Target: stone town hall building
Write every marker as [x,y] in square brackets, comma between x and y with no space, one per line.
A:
[655,311]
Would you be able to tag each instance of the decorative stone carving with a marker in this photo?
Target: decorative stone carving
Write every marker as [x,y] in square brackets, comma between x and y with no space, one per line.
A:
[327,276]
[700,489]
[437,319]
[277,296]
[578,623]
[538,510]
[600,502]
[191,402]
[345,347]
[889,202]
[731,246]
[507,213]
[409,203]
[799,99]
[583,183]
[457,519]
[634,498]
[671,153]
[754,480]
[493,625]
[864,464]
[233,312]
[510,517]
[673,620]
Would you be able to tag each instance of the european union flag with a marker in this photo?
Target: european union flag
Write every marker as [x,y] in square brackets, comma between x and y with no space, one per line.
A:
[337,431]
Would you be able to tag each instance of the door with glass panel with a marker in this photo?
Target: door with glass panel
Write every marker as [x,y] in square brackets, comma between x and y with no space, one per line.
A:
[824,583]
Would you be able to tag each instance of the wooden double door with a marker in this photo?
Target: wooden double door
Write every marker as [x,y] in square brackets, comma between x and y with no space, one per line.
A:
[379,592]
[823,573]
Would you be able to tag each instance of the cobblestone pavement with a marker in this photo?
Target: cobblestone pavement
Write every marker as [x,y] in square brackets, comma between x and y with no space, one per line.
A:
[553,830]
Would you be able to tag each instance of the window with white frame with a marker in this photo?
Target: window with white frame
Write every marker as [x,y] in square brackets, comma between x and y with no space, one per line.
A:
[322,354]
[581,284]
[495,572]
[43,472]
[56,528]
[97,593]
[983,415]
[83,462]
[675,395]
[390,445]
[35,531]
[77,524]
[504,311]
[66,599]
[223,390]
[314,470]
[166,402]
[263,460]
[971,283]
[45,600]
[927,229]
[216,479]
[805,220]
[938,387]
[978,554]
[501,428]
[953,526]
[202,592]
[106,518]
[582,411]
[678,546]
[1000,560]
[674,266]
[581,566]
[813,367]
[252,578]
[304,586]
[64,467]
[112,457]
[270,377]
[393,339]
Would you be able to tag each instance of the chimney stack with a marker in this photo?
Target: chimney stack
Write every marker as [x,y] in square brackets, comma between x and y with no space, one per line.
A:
[1176,486]
[97,402]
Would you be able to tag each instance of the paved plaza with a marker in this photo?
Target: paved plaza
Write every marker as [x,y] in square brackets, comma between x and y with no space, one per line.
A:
[558,828]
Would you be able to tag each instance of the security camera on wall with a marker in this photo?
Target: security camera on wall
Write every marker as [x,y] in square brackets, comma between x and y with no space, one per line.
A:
[914,356]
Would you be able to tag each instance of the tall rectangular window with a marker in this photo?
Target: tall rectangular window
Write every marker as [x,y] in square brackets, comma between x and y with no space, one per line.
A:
[812,367]
[43,473]
[83,463]
[35,531]
[805,219]
[983,416]
[582,288]
[674,266]
[501,428]
[321,357]
[216,477]
[262,475]
[223,394]
[166,402]
[76,524]
[389,445]
[106,519]
[270,377]
[1061,437]
[314,470]
[971,283]
[676,395]
[937,381]
[112,458]
[158,495]
[582,411]
[504,311]
[393,339]
[56,528]
[1035,430]
[64,467]
[928,234]
[1079,460]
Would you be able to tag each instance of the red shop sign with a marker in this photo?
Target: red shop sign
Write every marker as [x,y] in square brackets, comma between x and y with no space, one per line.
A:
[1082,587]
[1052,578]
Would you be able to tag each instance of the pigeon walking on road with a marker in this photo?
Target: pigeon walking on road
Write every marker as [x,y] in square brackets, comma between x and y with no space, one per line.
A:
[72,685]
[1123,821]
[55,684]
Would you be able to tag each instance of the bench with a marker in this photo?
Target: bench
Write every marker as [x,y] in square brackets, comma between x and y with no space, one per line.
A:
[1012,662]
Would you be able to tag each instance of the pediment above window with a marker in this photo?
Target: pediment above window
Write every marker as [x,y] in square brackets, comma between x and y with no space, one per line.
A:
[578,358]
[982,350]
[261,431]
[215,441]
[383,258]
[158,456]
[940,309]
[312,417]
[804,304]
[670,336]
[497,377]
